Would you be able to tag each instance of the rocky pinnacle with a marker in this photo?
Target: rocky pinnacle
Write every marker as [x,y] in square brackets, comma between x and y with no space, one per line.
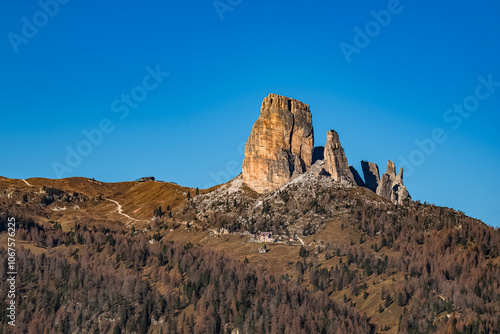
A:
[280,144]
[336,161]
[371,174]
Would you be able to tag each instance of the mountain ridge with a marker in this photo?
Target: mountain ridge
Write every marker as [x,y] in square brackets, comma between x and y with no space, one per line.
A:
[281,146]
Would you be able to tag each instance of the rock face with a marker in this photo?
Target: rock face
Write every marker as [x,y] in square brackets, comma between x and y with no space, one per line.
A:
[280,144]
[391,185]
[371,174]
[336,161]
[318,168]
[357,178]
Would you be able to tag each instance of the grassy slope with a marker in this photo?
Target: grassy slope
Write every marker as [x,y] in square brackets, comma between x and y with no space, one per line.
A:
[138,200]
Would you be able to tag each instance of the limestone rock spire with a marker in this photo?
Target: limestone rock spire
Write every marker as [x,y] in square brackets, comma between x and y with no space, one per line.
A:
[280,144]
[336,161]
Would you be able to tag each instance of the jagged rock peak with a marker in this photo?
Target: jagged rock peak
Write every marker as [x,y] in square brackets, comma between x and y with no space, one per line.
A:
[281,147]
[391,185]
[371,174]
[391,168]
[336,161]
[399,177]
[280,144]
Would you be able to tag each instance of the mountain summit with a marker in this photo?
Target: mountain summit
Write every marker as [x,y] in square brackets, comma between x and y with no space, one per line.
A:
[281,147]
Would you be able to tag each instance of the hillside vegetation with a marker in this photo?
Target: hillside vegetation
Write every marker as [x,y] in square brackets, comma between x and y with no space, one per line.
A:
[181,260]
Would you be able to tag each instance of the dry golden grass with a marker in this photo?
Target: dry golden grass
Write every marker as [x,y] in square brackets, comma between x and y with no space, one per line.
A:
[142,198]
[137,199]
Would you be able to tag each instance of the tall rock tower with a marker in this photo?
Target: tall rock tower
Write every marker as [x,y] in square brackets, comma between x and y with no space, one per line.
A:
[280,145]
[336,161]
[372,175]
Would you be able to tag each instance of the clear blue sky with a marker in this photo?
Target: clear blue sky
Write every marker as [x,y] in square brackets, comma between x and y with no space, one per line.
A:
[66,77]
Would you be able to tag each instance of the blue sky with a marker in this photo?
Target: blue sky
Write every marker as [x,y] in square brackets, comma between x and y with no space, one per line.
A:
[70,72]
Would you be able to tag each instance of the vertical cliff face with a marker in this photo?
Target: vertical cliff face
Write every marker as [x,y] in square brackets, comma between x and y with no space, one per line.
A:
[280,144]
[371,174]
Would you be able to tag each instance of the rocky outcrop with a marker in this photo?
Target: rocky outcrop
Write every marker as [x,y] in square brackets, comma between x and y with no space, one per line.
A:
[335,159]
[391,185]
[280,144]
[384,188]
[318,168]
[371,174]
[281,147]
